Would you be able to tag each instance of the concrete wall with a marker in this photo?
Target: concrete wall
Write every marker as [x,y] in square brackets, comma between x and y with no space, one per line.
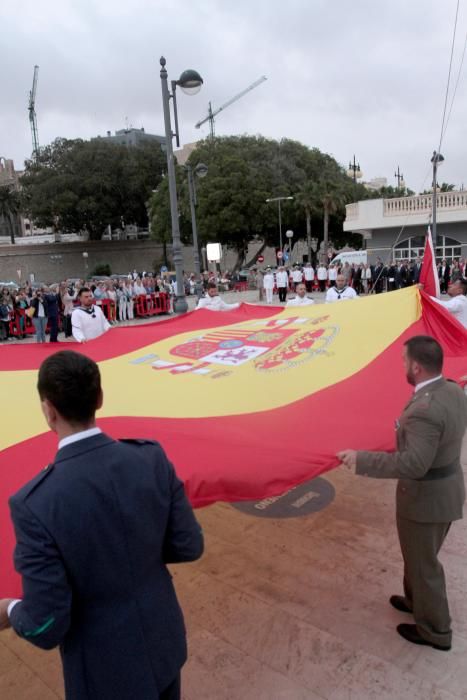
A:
[57,261]
[53,262]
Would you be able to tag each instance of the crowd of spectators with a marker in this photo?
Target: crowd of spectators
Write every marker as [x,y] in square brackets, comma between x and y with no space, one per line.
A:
[364,278]
[35,309]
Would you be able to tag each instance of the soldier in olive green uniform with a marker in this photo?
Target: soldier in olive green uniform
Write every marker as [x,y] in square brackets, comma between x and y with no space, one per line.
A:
[430,490]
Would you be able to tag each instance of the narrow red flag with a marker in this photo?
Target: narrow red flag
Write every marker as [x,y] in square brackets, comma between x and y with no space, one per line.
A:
[429,273]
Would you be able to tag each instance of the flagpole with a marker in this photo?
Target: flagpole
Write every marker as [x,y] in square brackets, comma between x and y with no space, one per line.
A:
[435,159]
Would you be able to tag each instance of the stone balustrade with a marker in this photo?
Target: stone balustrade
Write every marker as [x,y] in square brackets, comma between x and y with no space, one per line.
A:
[351,210]
[418,204]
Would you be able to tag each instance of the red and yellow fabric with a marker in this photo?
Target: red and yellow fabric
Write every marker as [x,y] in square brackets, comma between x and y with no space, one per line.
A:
[246,403]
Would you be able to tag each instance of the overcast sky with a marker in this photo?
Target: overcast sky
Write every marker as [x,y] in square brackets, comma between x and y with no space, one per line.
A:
[362,76]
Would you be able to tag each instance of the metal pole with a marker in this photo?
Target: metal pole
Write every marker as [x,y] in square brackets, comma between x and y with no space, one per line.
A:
[435,167]
[280,226]
[180,303]
[191,190]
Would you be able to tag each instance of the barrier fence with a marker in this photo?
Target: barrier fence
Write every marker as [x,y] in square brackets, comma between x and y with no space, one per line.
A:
[145,306]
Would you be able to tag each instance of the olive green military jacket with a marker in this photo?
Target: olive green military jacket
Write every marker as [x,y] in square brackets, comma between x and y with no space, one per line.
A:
[427,462]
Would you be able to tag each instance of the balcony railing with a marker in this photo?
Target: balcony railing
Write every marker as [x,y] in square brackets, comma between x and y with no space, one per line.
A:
[447,201]
[351,210]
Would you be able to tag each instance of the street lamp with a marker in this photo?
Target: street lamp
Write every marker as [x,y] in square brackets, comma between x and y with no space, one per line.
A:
[354,170]
[400,179]
[190,82]
[279,200]
[436,159]
[85,260]
[200,170]
[289,235]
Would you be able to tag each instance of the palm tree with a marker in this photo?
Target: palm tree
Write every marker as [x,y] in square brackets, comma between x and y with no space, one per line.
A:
[9,207]
[333,198]
[308,198]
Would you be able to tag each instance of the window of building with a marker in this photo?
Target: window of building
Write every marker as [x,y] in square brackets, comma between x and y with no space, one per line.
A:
[413,248]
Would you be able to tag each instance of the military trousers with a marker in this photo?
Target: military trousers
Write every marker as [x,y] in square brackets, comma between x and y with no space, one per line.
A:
[424,581]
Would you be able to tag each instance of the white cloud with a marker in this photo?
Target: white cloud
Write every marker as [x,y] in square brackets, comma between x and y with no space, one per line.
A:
[364,77]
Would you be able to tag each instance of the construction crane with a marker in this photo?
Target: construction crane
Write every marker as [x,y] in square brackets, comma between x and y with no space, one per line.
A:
[212,114]
[32,115]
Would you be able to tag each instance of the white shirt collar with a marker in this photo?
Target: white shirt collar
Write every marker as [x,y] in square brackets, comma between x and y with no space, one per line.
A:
[82,435]
[428,381]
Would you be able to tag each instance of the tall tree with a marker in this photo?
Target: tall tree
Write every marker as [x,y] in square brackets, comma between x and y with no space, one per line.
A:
[308,198]
[9,208]
[87,185]
[243,172]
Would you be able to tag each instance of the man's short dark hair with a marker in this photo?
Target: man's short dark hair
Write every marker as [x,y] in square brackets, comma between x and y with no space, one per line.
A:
[83,289]
[212,285]
[463,283]
[72,384]
[426,351]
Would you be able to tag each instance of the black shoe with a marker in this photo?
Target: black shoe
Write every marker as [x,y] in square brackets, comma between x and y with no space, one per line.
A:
[398,602]
[410,633]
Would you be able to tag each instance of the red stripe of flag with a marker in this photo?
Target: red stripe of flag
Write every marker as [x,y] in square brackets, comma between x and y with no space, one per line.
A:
[429,273]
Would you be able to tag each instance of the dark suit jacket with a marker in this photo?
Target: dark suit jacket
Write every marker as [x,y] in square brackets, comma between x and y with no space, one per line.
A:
[416,271]
[35,306]
[94,532]
[447,273]
[429,437]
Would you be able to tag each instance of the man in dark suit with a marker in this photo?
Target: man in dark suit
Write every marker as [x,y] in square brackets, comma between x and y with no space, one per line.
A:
[378,276]
[404,275]
[444,274]
[52,311]
[393,277]
[95,531]
[416,271]
[430,490]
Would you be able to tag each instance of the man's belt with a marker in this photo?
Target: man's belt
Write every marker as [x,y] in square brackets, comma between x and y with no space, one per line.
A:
[440,472]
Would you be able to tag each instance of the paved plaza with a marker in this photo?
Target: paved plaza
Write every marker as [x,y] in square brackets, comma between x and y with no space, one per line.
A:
[295,608]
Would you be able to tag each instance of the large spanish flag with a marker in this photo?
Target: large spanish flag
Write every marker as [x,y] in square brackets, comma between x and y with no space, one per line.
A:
[246,403]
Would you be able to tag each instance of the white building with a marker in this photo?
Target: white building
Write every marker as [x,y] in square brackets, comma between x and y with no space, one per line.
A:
[401,224]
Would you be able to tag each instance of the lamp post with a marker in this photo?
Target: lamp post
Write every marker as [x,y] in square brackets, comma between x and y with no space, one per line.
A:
[190,82]
[85,260]
[354,170]
[279,200]
[400,179]
[436,159]
[200,170]
[289,235]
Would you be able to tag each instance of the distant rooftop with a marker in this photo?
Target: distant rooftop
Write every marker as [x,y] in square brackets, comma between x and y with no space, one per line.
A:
[131,137]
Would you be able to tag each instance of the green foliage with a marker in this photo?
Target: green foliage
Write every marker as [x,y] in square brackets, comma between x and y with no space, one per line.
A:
[389,192]
[87,185]
[445,187]
[10,207]
[243,172]
[102,269]
[159,213]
